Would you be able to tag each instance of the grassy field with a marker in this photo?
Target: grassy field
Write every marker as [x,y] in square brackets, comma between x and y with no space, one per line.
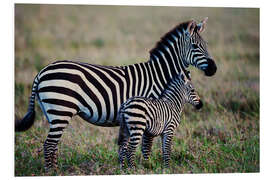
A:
[221,138]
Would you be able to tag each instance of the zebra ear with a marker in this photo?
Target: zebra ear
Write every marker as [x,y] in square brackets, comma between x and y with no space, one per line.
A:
[190,28]
[201,25]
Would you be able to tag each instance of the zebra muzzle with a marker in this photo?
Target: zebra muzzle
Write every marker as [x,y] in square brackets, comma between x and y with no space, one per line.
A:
[199,105]
[211,68]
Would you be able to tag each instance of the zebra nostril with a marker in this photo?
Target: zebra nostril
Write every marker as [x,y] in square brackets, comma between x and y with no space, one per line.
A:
[211,68]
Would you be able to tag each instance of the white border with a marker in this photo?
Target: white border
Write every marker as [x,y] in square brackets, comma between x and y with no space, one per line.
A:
[195,3]
[7,74]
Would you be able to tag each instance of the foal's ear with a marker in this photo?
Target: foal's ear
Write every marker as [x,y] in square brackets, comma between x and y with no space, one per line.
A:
[191,26]
[201,25]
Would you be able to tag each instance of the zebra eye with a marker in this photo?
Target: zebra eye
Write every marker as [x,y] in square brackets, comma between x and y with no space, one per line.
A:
[194,46]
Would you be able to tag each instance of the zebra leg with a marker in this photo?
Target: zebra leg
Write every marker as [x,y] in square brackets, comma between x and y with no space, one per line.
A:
[51,142]
[122,143]
[135,125]
[166,148]
[58,112]
[133,143]
[147,141]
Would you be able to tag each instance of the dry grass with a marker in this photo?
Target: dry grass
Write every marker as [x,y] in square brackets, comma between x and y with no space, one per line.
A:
[223,137]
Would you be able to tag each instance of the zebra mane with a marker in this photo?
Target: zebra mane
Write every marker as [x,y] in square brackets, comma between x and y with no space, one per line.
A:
[178,28]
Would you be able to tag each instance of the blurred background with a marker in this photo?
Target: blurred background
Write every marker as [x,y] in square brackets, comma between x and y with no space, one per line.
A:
[222,137]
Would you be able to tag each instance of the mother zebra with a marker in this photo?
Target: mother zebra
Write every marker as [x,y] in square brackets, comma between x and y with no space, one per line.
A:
[94,92]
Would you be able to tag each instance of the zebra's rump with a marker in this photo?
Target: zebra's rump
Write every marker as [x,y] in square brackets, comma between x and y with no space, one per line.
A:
[91,91]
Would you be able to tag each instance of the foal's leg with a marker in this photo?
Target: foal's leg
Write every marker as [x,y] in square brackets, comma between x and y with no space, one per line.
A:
[132,145]
[136,127]
[166,148]
[147,141]
[123,139]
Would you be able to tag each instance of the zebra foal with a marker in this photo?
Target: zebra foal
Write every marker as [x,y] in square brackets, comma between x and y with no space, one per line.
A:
[145,118]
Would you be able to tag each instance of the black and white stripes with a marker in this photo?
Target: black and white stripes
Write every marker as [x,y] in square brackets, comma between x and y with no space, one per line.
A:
[144,118]
[95,93]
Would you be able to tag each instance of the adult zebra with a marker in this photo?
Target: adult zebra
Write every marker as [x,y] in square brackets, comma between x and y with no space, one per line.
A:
[95,92]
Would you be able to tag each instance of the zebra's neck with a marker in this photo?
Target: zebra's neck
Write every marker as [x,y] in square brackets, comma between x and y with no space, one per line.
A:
[167,60]
[176,94]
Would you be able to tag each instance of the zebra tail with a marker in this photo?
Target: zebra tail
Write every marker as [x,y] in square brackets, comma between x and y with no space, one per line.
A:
[28,120]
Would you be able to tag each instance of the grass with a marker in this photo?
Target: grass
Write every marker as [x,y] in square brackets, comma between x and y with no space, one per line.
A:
[221,138]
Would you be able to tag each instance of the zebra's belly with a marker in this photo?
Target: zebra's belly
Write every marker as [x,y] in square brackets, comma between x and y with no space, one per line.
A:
[154,132]
[101,122]
[56,101]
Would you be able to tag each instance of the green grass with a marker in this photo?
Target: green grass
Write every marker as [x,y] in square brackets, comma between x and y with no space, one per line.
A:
[223,137]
